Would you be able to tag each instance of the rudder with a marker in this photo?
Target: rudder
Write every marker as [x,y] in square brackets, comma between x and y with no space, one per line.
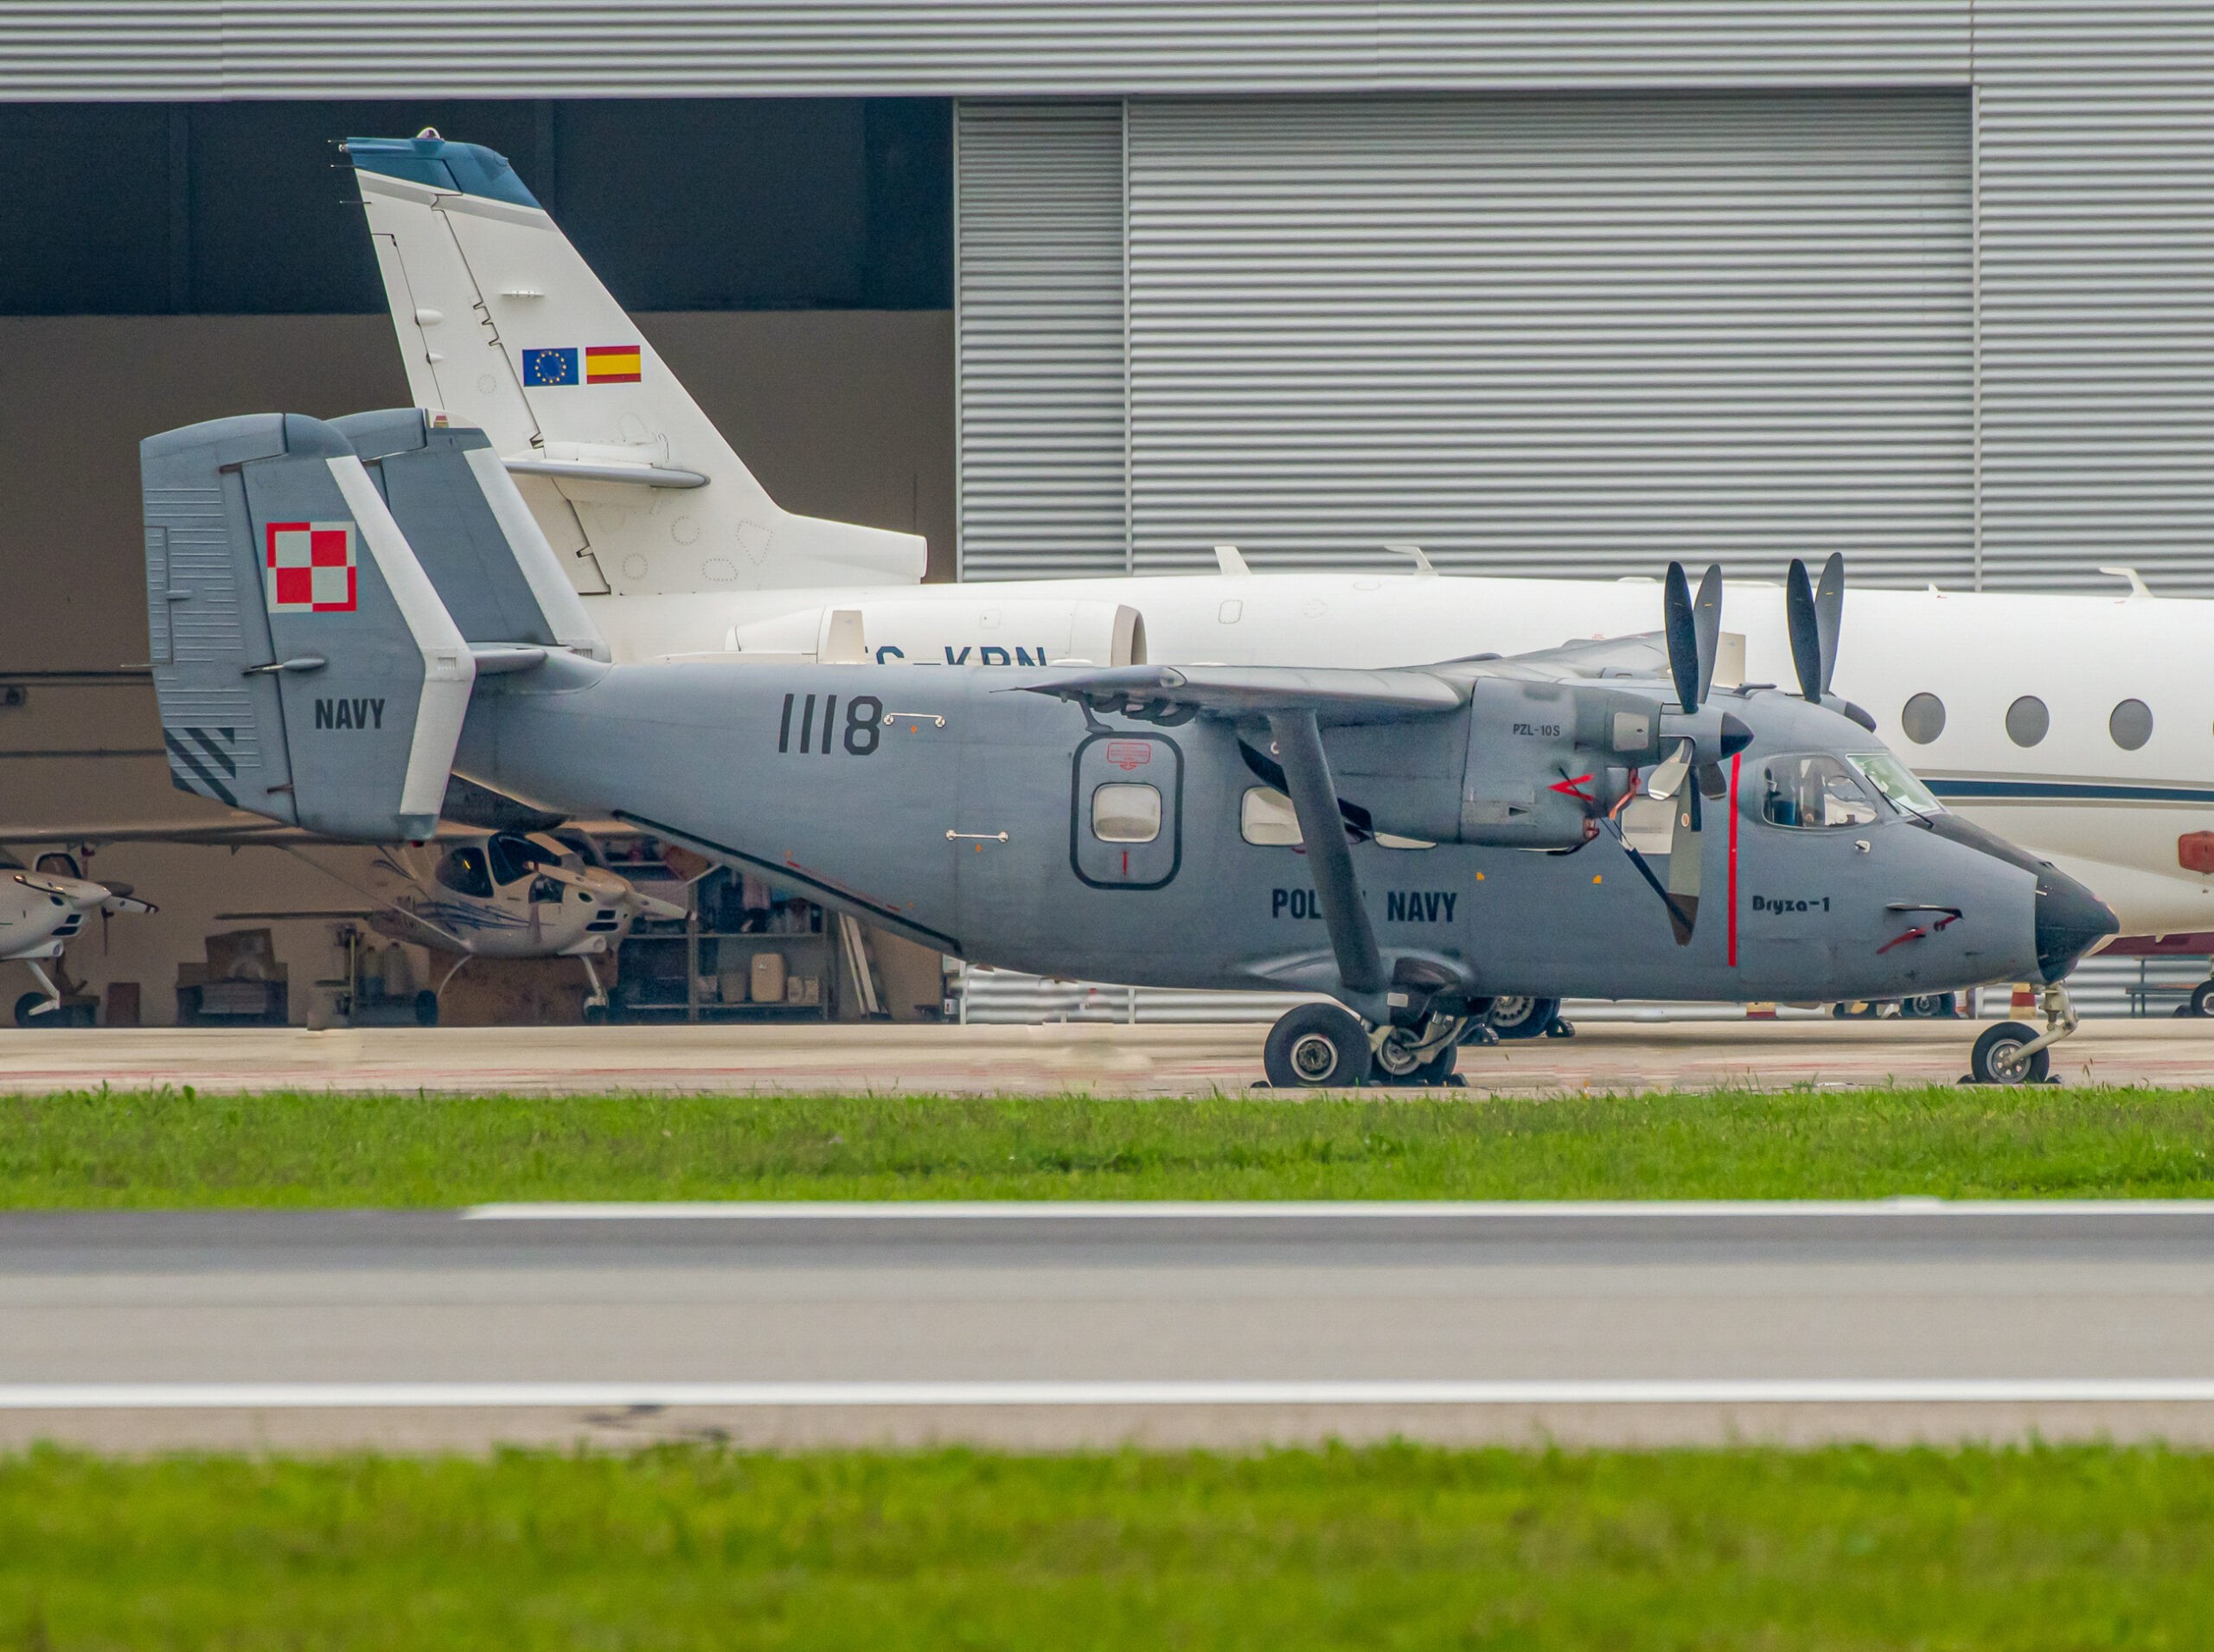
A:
[305,668]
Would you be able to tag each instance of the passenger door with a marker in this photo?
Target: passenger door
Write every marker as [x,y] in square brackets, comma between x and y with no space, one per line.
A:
[1126,810]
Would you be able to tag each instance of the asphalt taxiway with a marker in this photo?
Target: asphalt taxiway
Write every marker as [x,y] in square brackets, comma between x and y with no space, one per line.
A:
[1053,1326]
[1090,1058]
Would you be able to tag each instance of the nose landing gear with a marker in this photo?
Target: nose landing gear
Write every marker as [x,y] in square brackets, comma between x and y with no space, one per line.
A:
[2012,1053]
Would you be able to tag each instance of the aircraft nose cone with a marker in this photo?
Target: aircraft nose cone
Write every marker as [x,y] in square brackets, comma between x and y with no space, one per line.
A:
[2070,920]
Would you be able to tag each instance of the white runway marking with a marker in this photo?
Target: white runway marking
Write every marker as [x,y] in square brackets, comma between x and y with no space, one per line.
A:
[1352,1209]
[349,1396]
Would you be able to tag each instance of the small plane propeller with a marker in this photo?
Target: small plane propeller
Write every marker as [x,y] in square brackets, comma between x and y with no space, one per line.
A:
[1815,614]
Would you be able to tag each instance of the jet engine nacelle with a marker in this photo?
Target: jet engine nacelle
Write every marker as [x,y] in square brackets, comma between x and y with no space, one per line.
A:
[974,630]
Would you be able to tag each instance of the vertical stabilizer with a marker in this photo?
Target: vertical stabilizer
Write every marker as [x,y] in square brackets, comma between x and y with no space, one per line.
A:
[305,666]
[471,530]
[503,326]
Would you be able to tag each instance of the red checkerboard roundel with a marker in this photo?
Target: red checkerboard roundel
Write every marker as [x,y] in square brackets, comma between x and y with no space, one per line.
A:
[310,568]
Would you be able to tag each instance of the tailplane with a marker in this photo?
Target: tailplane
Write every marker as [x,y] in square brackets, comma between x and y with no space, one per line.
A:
[505,327]
[306,668]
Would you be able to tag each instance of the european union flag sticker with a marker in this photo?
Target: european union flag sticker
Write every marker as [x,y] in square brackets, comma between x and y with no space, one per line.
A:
[548,366]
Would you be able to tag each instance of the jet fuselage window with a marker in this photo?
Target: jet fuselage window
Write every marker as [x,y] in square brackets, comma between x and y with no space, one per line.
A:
[1923,719]
[1815,792]
[2027,721]
[1125,812]
[2131,724]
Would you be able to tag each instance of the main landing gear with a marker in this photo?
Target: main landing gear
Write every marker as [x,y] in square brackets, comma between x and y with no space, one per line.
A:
[2014,1053]
[1322,1046]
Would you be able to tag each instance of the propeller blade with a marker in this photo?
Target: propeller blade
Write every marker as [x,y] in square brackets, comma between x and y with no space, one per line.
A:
[1682,632]
[1829,612]
[1707,626]
[1806,630]
[1670,774]
[1685,847]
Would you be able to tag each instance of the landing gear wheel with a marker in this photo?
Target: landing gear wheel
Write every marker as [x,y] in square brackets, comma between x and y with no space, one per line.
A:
[27,1004]
[427,1007]
[1316,1046]
[1436,1073]
[2202,999]
[1930,1006]
[1516,1017]
[1998,1058]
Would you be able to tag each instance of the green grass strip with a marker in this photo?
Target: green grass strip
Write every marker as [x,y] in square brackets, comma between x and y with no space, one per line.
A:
[174,1148]
[1390,1547]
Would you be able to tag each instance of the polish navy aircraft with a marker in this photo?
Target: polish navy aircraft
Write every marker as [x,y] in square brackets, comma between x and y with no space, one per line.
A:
[40,912]
[1462,828]
[2075,725]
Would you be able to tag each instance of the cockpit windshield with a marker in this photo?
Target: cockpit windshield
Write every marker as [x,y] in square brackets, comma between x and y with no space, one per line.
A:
[1900,785]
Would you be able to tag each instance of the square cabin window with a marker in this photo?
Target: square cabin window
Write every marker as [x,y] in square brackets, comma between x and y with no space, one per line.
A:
[1265,816]
[1123,813]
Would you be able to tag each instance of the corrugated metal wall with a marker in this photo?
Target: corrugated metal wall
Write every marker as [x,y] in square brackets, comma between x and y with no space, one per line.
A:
[1553,334]
[427,48]
[2097,230]
[1038,286]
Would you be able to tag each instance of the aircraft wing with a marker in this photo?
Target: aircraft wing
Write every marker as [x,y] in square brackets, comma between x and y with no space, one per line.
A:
[1333,697]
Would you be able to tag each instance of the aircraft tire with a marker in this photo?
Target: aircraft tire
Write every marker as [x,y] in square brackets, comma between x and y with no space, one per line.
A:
[1519,1017]
[2202,999]
[1930,1006]
[1316,1046]
[427,1007]
[1995,1060]
[27,1003]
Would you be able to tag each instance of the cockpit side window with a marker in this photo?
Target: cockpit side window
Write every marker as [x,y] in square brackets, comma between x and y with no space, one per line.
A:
[512,857]
[1901,787]
[463,872]
[1814,792]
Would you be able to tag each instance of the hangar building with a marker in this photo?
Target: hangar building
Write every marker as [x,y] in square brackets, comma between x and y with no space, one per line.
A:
[1548,286]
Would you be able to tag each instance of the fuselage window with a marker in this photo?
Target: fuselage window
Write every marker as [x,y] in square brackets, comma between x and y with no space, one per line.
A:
[2131,724]
[1265,816]
[1923,719]
[1814,792]
[1124,812]
[2027,721]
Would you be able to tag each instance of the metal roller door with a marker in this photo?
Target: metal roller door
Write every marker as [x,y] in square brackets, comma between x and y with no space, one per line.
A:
[1039,210]
[1561,335]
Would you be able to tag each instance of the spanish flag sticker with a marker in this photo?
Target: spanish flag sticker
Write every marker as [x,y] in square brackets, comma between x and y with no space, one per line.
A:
[610,364]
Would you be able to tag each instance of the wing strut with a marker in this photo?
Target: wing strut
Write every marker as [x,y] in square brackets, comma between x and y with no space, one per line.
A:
[1315,798]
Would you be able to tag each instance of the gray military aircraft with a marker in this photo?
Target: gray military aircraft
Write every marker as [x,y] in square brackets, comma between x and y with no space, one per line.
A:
[1407,841]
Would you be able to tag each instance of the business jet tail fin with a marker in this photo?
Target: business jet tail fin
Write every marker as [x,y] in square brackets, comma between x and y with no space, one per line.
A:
[504,326]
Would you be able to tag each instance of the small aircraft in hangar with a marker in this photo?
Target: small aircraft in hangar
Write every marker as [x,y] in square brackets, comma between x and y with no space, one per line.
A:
[1093,823]
[537,889]
[41,910]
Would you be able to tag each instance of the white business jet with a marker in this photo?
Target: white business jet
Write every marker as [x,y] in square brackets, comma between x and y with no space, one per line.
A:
[2079,727]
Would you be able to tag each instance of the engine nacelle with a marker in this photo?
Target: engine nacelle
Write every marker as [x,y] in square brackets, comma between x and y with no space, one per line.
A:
[1541,754]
